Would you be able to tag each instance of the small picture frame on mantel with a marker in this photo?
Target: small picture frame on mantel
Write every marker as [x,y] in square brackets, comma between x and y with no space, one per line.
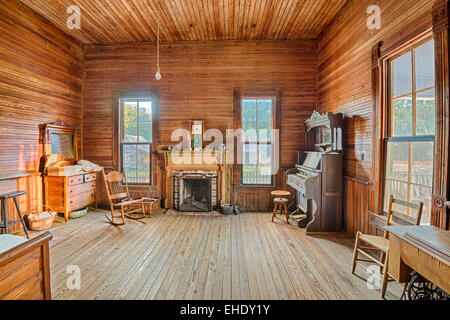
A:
[197,130]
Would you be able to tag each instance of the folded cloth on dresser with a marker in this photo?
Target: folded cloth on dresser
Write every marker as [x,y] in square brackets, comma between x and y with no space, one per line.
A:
[8,242]
[88,166]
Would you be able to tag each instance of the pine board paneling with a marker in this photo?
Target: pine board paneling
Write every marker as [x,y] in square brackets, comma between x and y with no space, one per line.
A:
[345,64]
[126,21]
[40,82]
[345,85]
[198,83]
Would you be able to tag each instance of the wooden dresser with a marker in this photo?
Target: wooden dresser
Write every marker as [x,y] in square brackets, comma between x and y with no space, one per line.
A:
[67,194]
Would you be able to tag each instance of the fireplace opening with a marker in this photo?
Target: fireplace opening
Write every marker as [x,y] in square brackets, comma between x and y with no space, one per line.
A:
[195,192]
[196,195]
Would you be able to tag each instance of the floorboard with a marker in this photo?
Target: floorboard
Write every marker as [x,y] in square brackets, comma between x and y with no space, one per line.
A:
[200,257]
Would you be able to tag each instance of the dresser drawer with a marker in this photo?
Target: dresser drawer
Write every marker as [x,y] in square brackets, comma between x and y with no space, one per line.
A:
[73,181]
[90,177]
[81,200]
[81,188]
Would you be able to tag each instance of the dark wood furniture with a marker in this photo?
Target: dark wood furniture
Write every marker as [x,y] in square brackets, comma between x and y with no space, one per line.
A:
[318,177]
[5,223]
[425,249]
[74,191]
[25,271]
[381,245]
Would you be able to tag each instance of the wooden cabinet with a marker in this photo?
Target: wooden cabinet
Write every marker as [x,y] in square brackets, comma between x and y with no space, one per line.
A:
[70,193]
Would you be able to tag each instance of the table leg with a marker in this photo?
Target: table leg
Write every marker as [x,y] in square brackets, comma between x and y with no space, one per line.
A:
[4,217]
[21,218]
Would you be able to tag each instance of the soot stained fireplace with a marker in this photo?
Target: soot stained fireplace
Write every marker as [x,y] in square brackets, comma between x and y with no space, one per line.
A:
[195,192]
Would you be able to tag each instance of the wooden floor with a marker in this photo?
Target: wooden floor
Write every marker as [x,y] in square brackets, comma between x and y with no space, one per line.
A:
[198,257]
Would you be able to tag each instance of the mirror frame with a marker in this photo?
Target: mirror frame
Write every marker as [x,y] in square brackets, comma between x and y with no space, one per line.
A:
[60,128]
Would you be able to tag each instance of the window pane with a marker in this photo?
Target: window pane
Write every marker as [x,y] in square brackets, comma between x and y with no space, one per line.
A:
[265,154]
[145,121]
[424,195]
[250,154]
[143,164]
[425,66]
[257,126]
[129,157]
[130,121]
[402,122]
[402,75]
[249,109]
[397,161]
[265,110]
[422,163]
[400,192]
[264,174]
[426,113]
[249,128]
[264,131]
[249,174]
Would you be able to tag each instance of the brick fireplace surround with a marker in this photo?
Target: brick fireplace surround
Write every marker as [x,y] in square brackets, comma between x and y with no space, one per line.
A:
[196,163]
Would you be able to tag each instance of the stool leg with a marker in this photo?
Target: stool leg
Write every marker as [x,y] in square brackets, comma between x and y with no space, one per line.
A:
[21,218]
[274,212]
[4,218]
[286,212]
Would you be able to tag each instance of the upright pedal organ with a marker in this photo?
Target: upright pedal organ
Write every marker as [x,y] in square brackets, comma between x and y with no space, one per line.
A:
[318,177]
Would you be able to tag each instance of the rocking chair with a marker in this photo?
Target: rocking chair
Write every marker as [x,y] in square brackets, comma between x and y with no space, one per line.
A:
[121,201]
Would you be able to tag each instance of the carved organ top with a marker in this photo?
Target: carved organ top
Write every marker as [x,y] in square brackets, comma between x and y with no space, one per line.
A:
[324,132]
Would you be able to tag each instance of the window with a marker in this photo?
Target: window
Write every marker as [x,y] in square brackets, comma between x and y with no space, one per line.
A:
[257,125]
[136,140]
[409,144]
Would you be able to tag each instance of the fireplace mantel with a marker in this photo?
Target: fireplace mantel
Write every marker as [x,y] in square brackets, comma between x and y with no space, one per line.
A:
[192,161]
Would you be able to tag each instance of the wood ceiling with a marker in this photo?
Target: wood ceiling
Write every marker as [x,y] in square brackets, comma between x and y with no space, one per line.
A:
[122,21]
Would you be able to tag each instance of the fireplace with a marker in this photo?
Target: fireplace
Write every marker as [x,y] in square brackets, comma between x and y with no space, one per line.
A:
[195,191]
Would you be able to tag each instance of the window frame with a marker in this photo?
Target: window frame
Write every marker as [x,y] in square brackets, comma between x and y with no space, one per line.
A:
[387,133]
[121,131]
[257,143]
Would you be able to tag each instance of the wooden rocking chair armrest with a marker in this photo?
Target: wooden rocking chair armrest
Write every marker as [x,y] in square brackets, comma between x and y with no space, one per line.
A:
[151,199]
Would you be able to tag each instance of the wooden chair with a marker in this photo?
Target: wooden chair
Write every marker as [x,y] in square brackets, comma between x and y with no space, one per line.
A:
[381,244]
[120,199]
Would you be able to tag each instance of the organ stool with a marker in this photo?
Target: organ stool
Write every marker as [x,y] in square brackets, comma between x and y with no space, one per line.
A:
[5,224]
[280,208]
[280,194]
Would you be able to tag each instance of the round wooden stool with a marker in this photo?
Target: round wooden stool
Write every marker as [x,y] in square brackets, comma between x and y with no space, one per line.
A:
[280,194]
[280,208]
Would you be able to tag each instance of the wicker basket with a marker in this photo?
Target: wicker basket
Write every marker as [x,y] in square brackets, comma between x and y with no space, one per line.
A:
[151,205]
[39,223]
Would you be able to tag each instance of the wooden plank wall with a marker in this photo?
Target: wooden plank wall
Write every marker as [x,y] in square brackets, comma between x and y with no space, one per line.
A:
[198,83]
[40,81]
[344,84]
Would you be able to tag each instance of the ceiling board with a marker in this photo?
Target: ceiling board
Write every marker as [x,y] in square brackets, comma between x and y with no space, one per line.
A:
[122,21]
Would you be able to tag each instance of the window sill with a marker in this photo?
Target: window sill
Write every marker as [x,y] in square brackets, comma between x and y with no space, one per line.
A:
[254,186]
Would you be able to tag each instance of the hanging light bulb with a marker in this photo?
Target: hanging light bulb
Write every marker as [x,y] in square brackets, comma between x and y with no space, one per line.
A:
[158,75]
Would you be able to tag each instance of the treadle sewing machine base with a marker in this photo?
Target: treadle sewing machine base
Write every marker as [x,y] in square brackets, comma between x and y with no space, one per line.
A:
[420,289]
